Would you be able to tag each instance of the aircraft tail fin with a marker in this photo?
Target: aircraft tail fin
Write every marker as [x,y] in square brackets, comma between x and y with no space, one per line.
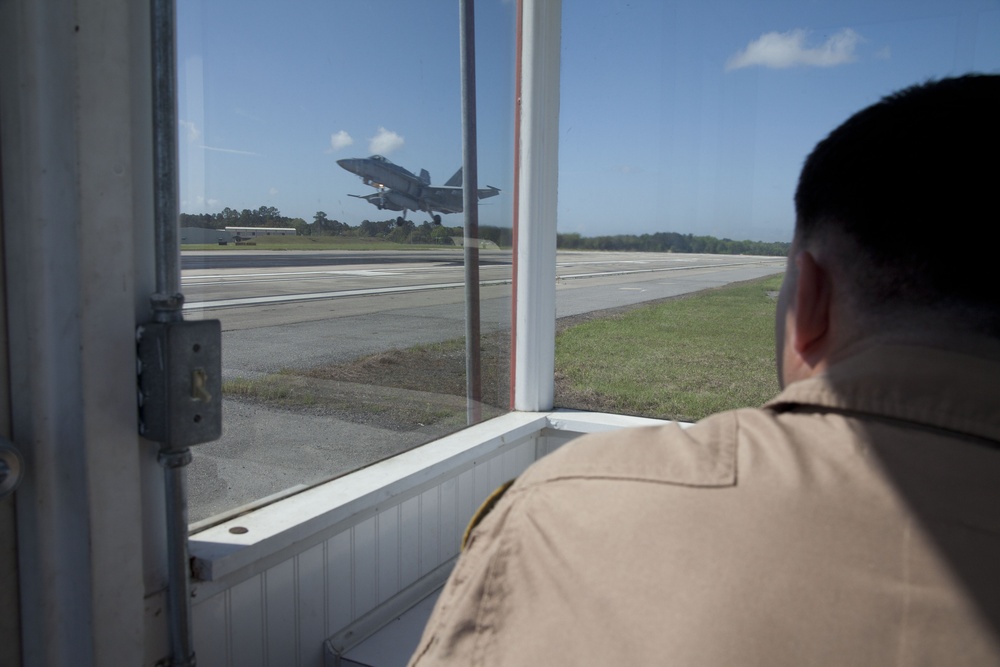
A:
[425,177]
[456,180]
[488,191]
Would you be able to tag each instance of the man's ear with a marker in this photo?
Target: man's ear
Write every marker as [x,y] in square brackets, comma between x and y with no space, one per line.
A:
[811,316]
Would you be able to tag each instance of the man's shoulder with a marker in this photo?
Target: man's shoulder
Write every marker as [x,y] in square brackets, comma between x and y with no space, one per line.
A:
[701,454]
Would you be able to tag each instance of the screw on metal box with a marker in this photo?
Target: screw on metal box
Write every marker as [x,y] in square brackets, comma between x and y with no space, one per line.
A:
[11,468]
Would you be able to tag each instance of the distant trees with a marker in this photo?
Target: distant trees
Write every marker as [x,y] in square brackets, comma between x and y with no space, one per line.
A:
[265,216]
[406,231]
[424,233]
[323,226]
[671,242]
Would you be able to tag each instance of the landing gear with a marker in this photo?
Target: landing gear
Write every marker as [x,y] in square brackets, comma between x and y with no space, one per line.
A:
[437,219]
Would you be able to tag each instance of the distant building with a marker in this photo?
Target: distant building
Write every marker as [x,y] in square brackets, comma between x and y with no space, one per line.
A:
[238,233]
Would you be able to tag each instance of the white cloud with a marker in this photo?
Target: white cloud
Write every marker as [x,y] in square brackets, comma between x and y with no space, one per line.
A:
[385,142]
[190,130]
[272,191]
[885,53]
[340,140]
[788,49]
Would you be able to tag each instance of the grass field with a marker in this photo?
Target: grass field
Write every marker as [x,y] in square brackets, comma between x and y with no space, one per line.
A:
[682,358]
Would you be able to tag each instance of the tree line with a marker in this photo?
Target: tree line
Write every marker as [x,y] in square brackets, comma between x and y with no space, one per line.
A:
[393,230]
[428,233]
[265,216]
[672,242]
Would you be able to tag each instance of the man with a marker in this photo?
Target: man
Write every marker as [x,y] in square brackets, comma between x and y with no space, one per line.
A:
[854,519]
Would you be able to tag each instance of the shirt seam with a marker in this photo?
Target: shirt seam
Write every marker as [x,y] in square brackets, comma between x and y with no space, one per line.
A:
[494,586]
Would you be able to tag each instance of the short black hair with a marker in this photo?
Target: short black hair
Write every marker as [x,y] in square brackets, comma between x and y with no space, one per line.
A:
[913,182]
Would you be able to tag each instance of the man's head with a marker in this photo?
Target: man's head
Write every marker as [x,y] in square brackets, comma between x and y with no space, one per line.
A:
[894,214]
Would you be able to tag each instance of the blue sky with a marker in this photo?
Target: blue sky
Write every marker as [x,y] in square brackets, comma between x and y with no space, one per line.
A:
[691,117]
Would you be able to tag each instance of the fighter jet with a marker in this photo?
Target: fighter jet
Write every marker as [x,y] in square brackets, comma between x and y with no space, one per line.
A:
[401,190]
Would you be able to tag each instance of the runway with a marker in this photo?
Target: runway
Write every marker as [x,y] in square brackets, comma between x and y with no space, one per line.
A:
[301,309]
[214,280]
[294,310]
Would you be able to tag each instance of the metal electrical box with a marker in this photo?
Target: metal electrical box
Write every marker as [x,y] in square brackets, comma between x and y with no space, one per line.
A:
[180,382]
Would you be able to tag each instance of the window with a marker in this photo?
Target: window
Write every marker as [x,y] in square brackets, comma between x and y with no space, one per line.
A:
[683,127]
[344,343]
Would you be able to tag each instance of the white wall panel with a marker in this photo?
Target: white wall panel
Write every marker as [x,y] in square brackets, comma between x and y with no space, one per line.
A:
[388,553]
[430,529]
[524,456]
[467,503]
[450,532]
[340,601]
[211,630]
[508,467]
[364,565]
[482,486]
[409,541]
[551,441]
[310,578]
[279,591]
[246,609]
[496,478]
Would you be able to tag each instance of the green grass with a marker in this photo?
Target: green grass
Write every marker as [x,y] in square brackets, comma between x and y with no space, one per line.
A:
[435,367]
[683,359]
[264,389]
[388,407]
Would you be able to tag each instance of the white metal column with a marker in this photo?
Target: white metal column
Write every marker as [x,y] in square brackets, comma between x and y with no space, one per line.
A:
[73,75]
[538,179]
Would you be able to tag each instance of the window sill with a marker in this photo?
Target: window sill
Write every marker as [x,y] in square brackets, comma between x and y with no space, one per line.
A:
[263,536]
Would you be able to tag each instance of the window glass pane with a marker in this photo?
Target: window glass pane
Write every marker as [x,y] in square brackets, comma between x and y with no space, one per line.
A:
[682,129]
[321,223]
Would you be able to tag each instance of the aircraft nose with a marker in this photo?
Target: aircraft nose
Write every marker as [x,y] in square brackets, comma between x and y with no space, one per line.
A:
[350,164]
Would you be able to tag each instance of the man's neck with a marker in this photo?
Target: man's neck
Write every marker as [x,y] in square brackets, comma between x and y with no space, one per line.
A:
[961,342]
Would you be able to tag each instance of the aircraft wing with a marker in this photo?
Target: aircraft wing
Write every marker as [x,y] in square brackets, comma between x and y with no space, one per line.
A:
[448,199]
[380,201]
[441,198]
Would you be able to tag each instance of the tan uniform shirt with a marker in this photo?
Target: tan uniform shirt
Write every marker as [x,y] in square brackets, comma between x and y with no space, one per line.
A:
[854,520]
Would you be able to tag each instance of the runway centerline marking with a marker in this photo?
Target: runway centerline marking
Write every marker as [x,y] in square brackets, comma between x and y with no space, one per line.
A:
[315,296]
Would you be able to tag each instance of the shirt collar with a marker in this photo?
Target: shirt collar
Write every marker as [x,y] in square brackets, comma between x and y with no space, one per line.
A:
[923,385]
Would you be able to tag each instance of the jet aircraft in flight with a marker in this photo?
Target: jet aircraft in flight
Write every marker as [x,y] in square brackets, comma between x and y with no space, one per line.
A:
[401,190]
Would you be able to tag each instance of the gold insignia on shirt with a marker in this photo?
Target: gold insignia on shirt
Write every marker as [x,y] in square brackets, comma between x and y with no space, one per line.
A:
[485,509]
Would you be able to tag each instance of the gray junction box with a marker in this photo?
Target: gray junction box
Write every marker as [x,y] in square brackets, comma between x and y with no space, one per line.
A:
[180,382]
